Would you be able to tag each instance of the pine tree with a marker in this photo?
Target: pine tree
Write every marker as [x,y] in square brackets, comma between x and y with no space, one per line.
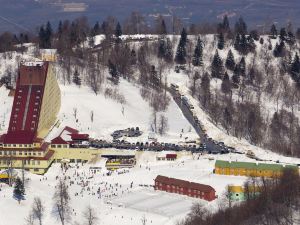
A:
[282,34]
[133,57]
[295,69]
[242,67]
[230,62]
[217,66]
[19,190]
[273,31]
[161,48]
[42,37]
[225,25]
[163,27]
[291,39]
[169,51]
[241,27]
[198,54]
[76,78]
[279,50]
[180,57]
[60,29]
[237,42]
[48,35]
[236,76]
[112,70]
[96,29]
[226,85]
[221,41]
[118,32]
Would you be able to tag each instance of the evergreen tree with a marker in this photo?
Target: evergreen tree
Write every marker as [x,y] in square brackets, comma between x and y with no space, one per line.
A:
[236,76]
[291,39]
[96,30]
[242,67]
[118,32]
[180,57]
[217,66]
[254,35]
[169,51]
[241,27]
[112,69]
[60,29]
[273,31]
[226,85]
[133,57]
[298,33]
[42,37]
[161,48]
[237,42]
[198,54]
[163,27]
[48,35]
[221,41]
[230,62]
[295,69]
[76,78]
[279,50]
[225,24]
[19,190]
[282,34]
[261,41]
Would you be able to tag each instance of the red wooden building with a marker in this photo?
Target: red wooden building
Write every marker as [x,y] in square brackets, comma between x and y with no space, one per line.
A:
[183,187]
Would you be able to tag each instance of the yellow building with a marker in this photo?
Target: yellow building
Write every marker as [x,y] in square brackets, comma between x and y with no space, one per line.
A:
[48,55]
[250,169]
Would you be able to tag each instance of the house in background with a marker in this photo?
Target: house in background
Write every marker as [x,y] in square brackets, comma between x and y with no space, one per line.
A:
[240,193]
[183,187]
[251,169]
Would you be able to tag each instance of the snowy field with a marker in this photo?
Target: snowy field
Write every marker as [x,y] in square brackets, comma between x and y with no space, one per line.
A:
[110,115]
[118,202]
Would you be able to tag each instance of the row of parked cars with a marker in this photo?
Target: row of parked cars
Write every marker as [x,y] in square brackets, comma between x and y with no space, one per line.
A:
[147,146]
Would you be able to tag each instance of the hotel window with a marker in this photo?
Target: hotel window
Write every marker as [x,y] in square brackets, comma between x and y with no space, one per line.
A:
[29,153]
[59,146]
[0,152]
[25,153]
[33,162]
[20,145]
[38,162]
[39,153]
[20,153]
[5,145]
[25,145]
[14,145]
[33,153]
[14,153]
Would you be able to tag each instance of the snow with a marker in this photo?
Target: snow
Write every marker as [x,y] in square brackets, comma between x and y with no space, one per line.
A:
[220,134]
[109,116]
[128,205]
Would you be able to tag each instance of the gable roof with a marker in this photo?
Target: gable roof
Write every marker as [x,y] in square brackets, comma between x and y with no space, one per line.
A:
[184,183]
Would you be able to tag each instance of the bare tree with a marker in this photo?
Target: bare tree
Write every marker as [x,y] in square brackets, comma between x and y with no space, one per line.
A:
[30,219]
[163,124]
[90,216]
[38,210]
[62,202]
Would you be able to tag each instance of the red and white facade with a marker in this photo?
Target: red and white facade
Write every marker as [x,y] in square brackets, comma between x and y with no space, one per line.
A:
[183,187]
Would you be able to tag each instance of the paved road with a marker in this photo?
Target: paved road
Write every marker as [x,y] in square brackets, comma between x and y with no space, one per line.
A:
[211,146]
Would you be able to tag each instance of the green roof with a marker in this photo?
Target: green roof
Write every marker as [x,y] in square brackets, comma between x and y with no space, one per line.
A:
[250,165]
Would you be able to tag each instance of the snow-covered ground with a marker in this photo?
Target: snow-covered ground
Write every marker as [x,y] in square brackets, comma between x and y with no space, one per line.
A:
[219,134]
[110,115]
[119,203]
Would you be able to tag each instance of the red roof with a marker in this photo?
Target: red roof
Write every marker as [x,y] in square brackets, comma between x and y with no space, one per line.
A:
[58,141]
[183,183]
[27,104]
[70,130]
[79,136]
[171,156]
[19,137]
